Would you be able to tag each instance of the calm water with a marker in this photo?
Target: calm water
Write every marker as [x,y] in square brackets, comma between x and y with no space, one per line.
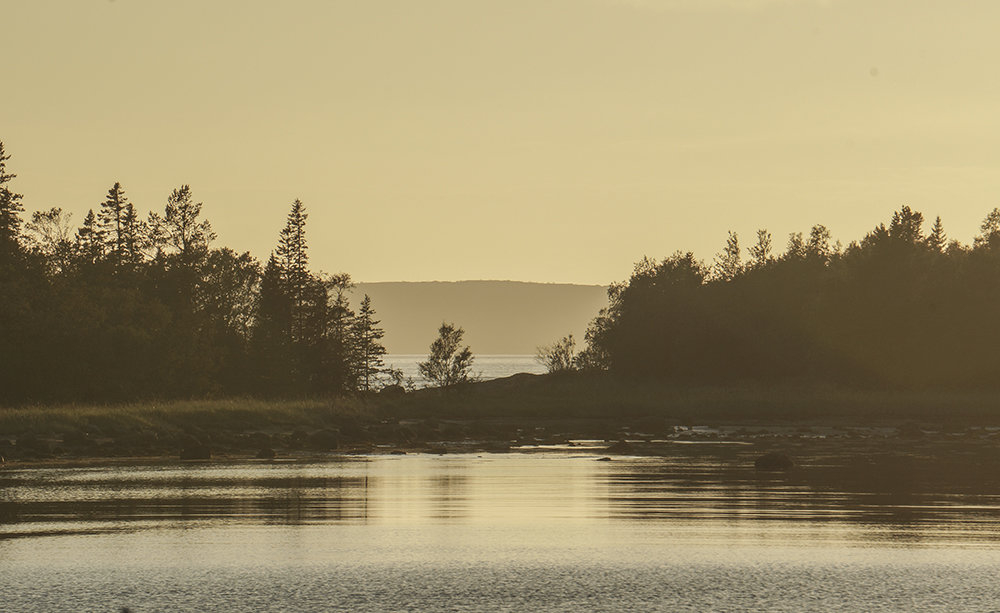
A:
[541,532]
[485,366]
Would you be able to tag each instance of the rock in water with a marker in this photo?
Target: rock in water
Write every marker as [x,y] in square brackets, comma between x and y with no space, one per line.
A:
[774,461]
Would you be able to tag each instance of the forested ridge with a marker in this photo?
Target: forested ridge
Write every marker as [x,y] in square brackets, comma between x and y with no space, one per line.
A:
[903,307]
[128,306]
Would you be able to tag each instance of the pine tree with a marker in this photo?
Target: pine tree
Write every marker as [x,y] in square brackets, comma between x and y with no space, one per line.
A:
[90,240]
[292,259]
[272,331]
[134,237]
[367,348]
[112,221]
[10,213]
[937,240]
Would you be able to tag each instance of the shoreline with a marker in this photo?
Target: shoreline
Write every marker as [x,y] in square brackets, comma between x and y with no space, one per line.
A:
[758,439]
[503,415]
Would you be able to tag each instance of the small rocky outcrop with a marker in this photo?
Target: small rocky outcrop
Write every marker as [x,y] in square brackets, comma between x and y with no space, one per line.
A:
[774,461]
[392,391]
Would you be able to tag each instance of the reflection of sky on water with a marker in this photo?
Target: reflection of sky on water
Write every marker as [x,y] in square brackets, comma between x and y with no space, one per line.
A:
[546,531]
[693,489]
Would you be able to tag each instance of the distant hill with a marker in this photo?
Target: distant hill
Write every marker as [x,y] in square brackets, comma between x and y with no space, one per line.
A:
[499,317]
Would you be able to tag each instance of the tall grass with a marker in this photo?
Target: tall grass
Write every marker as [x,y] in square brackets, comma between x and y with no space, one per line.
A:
[531,398]
[238,414]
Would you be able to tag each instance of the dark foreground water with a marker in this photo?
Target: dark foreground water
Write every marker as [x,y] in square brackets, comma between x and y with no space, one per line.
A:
[514,532]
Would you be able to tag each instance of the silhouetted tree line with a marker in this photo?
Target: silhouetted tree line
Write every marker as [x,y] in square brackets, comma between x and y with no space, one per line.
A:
[899,308]
[125,307]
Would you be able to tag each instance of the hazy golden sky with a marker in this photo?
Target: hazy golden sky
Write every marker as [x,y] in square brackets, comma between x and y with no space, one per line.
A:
[547,140]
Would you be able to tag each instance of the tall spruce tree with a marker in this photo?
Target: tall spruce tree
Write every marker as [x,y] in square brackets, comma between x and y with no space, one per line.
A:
[292,258]
[90,240]
[272,332]
[10,213]
[937,239]
[112,222]
[368,349]
[134,237]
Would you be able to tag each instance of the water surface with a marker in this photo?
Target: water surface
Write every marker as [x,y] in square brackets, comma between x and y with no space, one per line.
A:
[550,532]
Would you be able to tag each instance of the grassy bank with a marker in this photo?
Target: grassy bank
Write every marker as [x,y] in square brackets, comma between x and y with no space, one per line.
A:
[234,414]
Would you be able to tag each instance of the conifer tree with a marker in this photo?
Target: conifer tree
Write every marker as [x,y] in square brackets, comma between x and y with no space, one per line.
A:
[112,222]
[292,258]
[272,331]
[134,237]
[10,213]
[90,239]
[367,346]
[937,240]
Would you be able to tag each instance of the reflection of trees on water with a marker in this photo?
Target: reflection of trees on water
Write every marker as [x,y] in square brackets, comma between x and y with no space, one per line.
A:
[186,500]
[882,493]
[902,497]
[448,495]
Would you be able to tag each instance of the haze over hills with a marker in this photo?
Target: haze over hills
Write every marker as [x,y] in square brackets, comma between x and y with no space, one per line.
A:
[499,317]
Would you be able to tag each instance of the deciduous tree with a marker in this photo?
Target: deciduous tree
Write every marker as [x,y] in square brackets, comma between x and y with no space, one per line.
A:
[448,363]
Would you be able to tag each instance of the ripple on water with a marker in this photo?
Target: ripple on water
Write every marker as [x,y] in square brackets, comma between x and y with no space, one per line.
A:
[550,532]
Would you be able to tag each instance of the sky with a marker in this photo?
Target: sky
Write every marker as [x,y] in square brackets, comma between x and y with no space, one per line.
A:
[535,140]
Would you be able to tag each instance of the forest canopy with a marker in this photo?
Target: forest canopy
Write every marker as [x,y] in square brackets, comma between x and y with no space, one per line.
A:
[127,307]
[901,308]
